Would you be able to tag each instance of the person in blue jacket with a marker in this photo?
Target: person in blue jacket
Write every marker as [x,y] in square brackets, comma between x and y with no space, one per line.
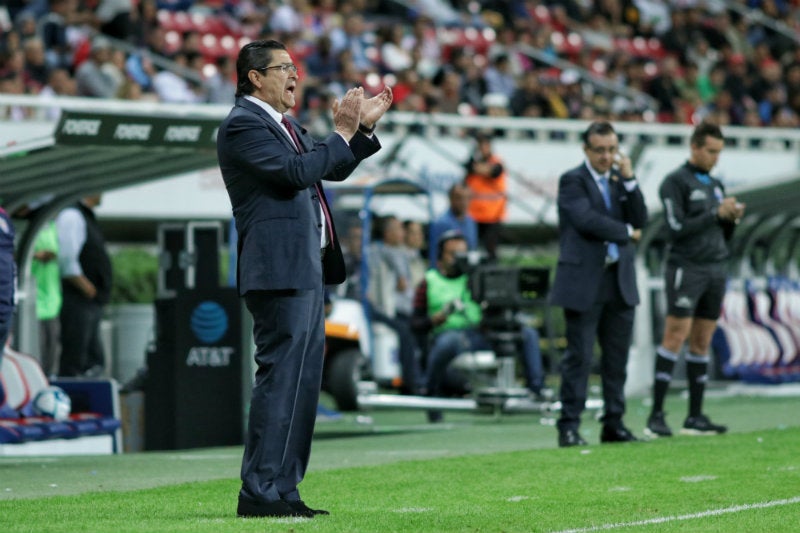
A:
[7,277]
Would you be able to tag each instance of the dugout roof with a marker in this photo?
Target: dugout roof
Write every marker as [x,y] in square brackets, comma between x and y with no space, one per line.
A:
[94,152]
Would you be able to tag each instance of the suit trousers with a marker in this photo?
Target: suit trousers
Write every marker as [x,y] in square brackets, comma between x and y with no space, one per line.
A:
[610,321]
[289,333]
[81,347]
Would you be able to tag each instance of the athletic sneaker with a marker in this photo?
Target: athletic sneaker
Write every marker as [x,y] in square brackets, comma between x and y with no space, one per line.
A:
[701,425]
[657,427]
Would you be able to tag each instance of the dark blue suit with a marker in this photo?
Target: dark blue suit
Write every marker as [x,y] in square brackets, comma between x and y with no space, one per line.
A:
[598,300]
[281,276]
[7,272]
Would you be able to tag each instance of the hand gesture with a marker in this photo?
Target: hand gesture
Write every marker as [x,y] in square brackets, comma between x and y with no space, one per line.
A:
[730,209]
[372,109]
[623,164]
[347,113]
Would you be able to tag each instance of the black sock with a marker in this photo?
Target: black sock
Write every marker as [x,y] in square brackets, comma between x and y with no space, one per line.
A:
[697,374]
[665,362]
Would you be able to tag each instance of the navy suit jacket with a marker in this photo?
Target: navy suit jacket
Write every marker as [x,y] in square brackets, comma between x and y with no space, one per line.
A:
[585,226]
[275,203]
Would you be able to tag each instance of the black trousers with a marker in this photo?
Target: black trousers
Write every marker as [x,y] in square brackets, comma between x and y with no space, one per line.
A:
[81,348]
[413,379]
[289,333]
[610,321]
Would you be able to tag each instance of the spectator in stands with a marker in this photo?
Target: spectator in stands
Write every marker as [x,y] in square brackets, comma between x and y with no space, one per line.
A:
[285,261]
[7,277]
[172,87]
[444,310]
[499,77]
[355,41]
[473,85]
[143,19]
[486,179]
[426,45]
[36,69]
[664,88]
[59,83]
[323,64]
[220,88]
[527,99]
[456,217]
[395,57]
[449,94]
[601,211]
[114,18]
[700,222]
[86,273]
[92,77]
[53,30]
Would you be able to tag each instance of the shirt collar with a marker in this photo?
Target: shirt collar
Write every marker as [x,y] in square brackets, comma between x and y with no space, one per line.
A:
[266,107]
[596,175]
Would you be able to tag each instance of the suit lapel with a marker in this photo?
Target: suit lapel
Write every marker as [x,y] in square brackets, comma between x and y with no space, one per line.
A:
[273,126]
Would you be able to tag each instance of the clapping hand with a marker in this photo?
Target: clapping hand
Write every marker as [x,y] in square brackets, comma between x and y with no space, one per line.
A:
[372,109]
[347,113]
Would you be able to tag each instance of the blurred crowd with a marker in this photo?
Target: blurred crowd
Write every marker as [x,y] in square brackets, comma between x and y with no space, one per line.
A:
[669,61]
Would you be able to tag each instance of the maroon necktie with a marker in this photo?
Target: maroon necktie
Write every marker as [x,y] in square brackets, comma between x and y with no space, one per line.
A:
[317,186]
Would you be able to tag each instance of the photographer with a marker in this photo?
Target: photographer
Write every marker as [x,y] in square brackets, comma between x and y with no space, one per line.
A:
[444,306]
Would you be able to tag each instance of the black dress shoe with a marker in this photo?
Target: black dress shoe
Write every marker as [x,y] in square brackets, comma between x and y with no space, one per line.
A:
[435,417]
[301,507]
[570,437]
[617,434]
[249,509]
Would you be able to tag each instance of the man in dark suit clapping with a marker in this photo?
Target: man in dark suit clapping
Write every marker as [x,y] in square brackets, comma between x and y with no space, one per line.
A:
[601,212]
[287,251]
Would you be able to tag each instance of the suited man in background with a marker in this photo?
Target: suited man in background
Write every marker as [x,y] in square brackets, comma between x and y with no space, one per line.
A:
[601,212]
[287,251]
[86,281]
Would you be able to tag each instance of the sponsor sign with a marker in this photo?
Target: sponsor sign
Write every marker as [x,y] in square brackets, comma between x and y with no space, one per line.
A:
[209,323]
[120,130]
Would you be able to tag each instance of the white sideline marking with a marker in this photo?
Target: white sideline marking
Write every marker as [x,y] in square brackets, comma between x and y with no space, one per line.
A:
[697,479]
[692,516]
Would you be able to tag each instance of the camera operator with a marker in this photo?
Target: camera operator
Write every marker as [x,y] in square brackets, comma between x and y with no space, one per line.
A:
[443,306]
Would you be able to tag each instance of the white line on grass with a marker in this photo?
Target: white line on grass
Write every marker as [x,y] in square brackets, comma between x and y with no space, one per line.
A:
[692,516]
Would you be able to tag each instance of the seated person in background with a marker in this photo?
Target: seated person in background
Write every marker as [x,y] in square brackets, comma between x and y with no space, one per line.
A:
[391,296]
[455,218]
[444,306]
[414,244]
[351,251]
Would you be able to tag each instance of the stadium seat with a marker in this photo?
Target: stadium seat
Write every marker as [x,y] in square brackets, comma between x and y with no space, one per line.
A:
[761,304]
[17,394]
[94,403]
[785,298]
[751,348]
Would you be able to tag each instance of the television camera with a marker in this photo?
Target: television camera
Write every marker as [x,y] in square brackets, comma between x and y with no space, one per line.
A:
[503,292]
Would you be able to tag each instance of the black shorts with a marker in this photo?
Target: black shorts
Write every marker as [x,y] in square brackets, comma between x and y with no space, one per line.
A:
[695,291]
